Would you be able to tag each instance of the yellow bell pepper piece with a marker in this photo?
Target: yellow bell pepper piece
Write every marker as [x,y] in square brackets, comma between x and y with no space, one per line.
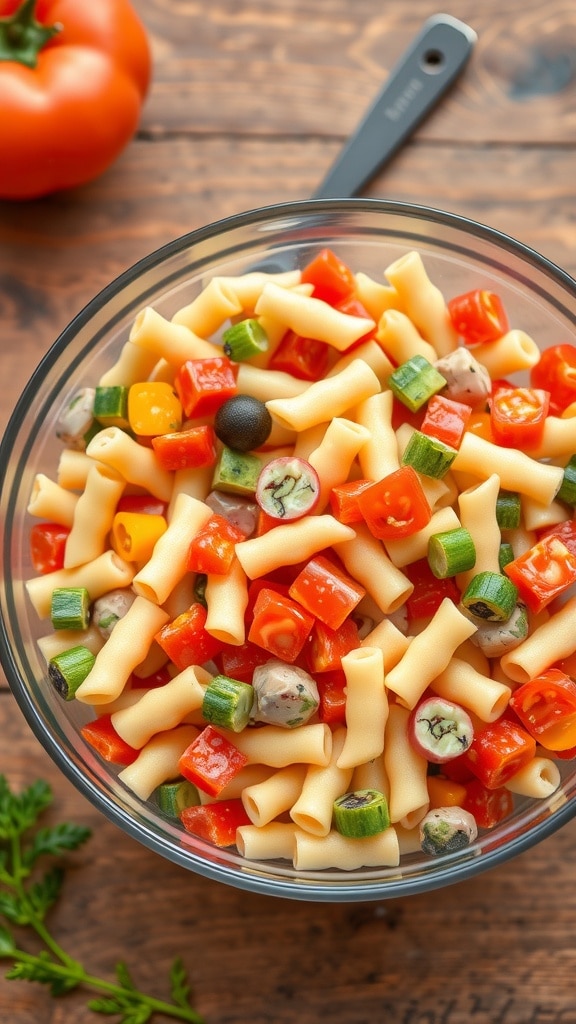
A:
[134,534]
[153,409]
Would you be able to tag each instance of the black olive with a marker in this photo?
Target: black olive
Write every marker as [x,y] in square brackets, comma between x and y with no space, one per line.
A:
[243,423]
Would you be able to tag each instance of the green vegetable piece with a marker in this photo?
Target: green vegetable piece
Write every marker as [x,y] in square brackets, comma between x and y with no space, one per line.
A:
[244,340]
[490,596]
[228,702]
[361,813]
[173,797]
[236,472]
[508,510]
[505,555]
[415,381]
[199,589]
[243,423]
[447,830]
[567,490]
[428,455]
[68,670]
[451,552]
[111,406]
[70,608]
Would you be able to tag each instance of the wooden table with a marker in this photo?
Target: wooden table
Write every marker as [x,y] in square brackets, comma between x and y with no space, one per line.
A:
[250,103]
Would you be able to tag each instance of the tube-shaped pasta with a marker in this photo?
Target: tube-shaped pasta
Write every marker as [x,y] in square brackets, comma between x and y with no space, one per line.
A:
[248,287]
[278,747]
[517,471]
[371,775]
[465,685]
[314,853]
[311,317]
[429,653]
[266,384]
[49,500]
[290,543]
[558,438]
[125,648]
[537,516]
[513,352]
[170,341]
[157,762]
[538,779]
[107,572]
[269,799]
[390,640]
[401,340]
[227,599]
[167,566]
[371,353]
[379,456]
[366,560]
[477,513]
[73,469]
[333,457]
[366,706]
[134,364]
[336,394]
[313,809]
[93,515]
[406,771]
[197,483]
[274,841]
[375,296]
[213,305]
[63,639]
[550,642]
[162,708]
[136,463]
[423,301]
[409,549]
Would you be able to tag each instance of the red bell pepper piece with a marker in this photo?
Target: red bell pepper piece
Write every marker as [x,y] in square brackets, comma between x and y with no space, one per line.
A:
[332,691]
[326,592]
[518,415]
[186,641]
[542,572]
[395,506]
[556,372]
[101,734]
[304,358]
[331,278]
[328,646]
[153,681]
[489,806]
[186,449]
[478,316]
[216,822]
[279,625]
[203,385]
[446,420]
[239,661]
[145,504]
[429,592]
[499,750]
[211,761]
[213,547]
[565,532]
[344,500]
[546,706]
[353,307]
[47,546]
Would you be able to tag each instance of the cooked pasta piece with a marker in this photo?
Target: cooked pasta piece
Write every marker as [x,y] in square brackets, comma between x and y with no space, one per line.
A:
[266,384]
[477,513]
[216,303]
[375,296]
[63,639]
[311,317]
[410,549]
[423,302]
[537,516]
[371,354]
[134,364]
[365,559]
[517,471]
[278,747]
[93,515]
[366,706]
[391,641]
[406,771]
[158,577]
[290,543]
[312,811]
[227,599]
[157,762]
[380,455]
[248,287]
[49,500]
[333,457]
[107,572]
[136,463]
[170,341]
[538,779]
[553,640]
[401,340]
[314,853]
[267,800]
[162,708]
[461,682]
[339,393]
[513,352]
[73,468]
[274,841]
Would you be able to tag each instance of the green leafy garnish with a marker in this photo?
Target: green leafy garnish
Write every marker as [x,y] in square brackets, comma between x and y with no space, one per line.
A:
[26,896]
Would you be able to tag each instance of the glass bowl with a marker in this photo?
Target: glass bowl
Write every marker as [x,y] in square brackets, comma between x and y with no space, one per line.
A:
[368,235]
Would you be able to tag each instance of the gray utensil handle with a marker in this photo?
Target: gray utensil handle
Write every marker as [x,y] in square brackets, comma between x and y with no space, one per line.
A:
[427,69]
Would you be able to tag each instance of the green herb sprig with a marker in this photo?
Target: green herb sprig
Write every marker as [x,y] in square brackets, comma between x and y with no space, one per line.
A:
[26,896]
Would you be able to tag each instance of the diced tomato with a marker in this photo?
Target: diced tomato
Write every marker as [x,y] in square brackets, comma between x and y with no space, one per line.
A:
[488,806]
[498,751]
[214,546]
[211,761]
[518,416]
[186,641]
[304,358]
[446,420]
[158,678]
[478,316]
[47,546]
[565,532]
[217,822]
[279,625]
[143,504]
[556,372]
[543,572]
[328,646]
[332,691]
[101,734]
[327,593]
[344,500]
[192,448]
[331,278]
[429,592]
[546,706]
[353,307]
[395,506]
[203,385]
[239,661]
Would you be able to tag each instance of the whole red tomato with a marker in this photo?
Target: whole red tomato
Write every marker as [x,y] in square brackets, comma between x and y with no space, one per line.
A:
[73,76]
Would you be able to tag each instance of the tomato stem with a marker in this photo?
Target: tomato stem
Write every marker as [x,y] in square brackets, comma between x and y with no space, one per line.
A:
[22,36]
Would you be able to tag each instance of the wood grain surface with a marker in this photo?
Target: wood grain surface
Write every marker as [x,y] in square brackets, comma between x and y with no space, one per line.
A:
[250,104]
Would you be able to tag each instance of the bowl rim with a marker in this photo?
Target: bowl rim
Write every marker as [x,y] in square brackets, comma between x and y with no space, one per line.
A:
[446,872]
